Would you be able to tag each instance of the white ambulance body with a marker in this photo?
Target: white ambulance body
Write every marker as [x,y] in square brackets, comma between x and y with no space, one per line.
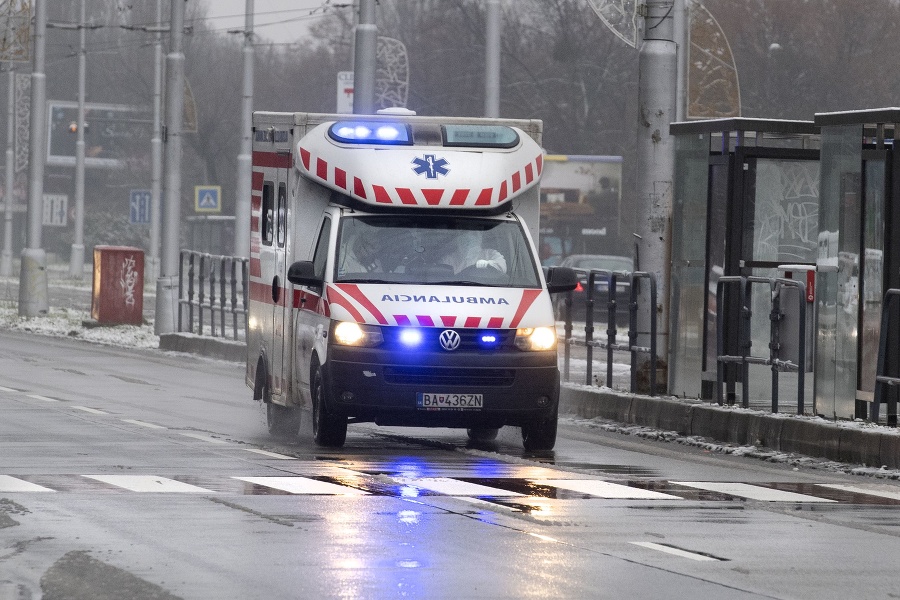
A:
[394,278]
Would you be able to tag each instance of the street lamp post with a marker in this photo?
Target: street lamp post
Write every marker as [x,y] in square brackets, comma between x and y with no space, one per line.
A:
[76,258]
[492,60]
[245,166]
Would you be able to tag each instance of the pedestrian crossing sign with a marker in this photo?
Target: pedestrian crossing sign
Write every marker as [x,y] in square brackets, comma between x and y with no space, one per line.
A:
[207,198]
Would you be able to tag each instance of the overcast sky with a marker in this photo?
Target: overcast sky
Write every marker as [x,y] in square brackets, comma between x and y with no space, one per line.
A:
[280,21]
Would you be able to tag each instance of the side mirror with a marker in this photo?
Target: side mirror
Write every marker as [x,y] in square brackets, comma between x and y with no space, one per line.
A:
[303,273]
[561,279]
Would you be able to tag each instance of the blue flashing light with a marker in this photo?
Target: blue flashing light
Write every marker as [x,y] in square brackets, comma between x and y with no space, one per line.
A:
[410,337]
[370,132]
[489,339]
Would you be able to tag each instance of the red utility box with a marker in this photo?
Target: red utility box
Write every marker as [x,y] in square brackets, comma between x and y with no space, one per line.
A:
[118,287]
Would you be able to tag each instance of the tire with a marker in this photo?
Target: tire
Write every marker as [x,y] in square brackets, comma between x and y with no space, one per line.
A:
[483,434]
[328,430]
[540,435]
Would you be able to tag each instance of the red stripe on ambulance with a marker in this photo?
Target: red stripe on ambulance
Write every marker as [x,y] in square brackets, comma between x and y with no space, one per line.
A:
[528,298]
[354,292]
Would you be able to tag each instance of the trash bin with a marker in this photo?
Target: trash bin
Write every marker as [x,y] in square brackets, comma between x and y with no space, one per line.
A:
[118,285]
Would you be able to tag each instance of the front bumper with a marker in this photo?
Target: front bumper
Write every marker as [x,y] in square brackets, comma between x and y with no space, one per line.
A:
[382,385]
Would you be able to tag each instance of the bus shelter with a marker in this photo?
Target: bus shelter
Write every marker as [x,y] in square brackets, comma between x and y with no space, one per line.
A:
[858,259]
[745,202]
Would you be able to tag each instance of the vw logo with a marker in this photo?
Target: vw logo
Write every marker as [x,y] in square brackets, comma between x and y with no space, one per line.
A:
[449,340]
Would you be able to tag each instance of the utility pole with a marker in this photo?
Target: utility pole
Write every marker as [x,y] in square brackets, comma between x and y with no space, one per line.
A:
[156,151]
[365,50]
[657,80]
[76,258]
[33,292]
[6,260]
[167,284]
[492,60]
[245,166]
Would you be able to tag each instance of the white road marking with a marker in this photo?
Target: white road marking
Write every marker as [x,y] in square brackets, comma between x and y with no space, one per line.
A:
[303,485]
[149,483]
[674,551]
[44,398]
[143,424]
[453,487]
[88,409]
[489,505]
[270,454]
[13,484]
[202,436]
[752,492]
[605,489]
[882,491]
[6,389]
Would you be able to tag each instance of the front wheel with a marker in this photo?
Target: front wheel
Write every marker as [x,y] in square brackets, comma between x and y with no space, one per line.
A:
[328,430]
[540,435]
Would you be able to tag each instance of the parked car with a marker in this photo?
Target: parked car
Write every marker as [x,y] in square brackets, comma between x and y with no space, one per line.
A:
[583,265]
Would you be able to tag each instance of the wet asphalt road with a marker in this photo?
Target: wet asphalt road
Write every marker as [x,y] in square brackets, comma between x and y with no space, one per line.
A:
[139,474]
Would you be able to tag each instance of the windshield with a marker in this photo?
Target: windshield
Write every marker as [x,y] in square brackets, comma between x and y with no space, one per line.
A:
[435,250]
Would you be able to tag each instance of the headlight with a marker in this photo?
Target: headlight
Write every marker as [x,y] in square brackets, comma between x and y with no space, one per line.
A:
[347,333]
[536,338]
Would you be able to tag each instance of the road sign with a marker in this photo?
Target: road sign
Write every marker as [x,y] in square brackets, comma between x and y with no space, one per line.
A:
[345,92]
[207,198]
[55,210]
[139,206]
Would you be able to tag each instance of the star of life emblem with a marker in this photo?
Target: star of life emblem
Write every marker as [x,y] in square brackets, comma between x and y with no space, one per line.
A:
[430,166]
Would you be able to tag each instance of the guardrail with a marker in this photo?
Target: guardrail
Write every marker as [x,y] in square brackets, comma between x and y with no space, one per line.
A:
[744,343]
[212,295]
[882,380]
[611,344]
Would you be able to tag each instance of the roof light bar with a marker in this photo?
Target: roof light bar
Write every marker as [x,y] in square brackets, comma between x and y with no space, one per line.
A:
[370,132]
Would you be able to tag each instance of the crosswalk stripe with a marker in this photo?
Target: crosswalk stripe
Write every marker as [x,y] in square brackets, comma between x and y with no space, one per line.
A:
[675,551]
[882,491]
[605,489]
[453,487]
[88,409]
[751,492]
[303,485]
[143,424]
[14,484]
[270,454]
[205,437]
[149,483]
[44,398]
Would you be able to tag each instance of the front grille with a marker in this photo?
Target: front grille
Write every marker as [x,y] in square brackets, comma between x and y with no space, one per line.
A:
[470,339]
[449,376]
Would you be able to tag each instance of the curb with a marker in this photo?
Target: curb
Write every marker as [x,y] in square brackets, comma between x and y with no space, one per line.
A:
[220,348]
[784,433]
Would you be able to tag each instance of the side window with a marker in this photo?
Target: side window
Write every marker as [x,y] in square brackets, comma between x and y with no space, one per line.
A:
[267,219]
[282,214]
[321,255]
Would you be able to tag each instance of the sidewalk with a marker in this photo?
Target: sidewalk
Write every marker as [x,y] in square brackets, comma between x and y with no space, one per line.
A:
[854,442]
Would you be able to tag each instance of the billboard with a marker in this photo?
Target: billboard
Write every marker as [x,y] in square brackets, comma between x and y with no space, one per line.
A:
[113,134]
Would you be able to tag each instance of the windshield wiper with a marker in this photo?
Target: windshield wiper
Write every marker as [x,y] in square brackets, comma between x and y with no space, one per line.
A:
[366,280]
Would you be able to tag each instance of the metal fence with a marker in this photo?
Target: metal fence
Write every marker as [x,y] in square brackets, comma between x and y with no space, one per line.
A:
[883,380]
[212,295]
[611,343]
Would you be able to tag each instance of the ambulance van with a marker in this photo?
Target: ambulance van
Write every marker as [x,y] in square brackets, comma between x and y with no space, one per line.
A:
[394,277]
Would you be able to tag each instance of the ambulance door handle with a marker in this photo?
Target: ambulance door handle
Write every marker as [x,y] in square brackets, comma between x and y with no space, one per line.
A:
[276,289]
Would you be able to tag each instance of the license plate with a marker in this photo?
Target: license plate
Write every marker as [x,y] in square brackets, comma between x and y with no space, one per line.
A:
[432,401]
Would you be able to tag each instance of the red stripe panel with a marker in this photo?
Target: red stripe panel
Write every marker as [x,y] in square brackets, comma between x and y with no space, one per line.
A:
[528,297]
[484,198]
[354,292]
[261,292]
[448,321]
[358,188]
[402,320]
[335,297]
[381,195]
[529,173]
[278,160]
[340,178]
[517,182]
[321,169]
[495,322]
[473,321]
[433,197]
[540,163]
[502,192]
[425,320]
[254,223]
[255,203]
[256,181]
[406,195]
[304,158]
[459,197]
[255,270]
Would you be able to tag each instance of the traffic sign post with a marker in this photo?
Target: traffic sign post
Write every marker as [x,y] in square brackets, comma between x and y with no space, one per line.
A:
[207,198]
[139,207]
